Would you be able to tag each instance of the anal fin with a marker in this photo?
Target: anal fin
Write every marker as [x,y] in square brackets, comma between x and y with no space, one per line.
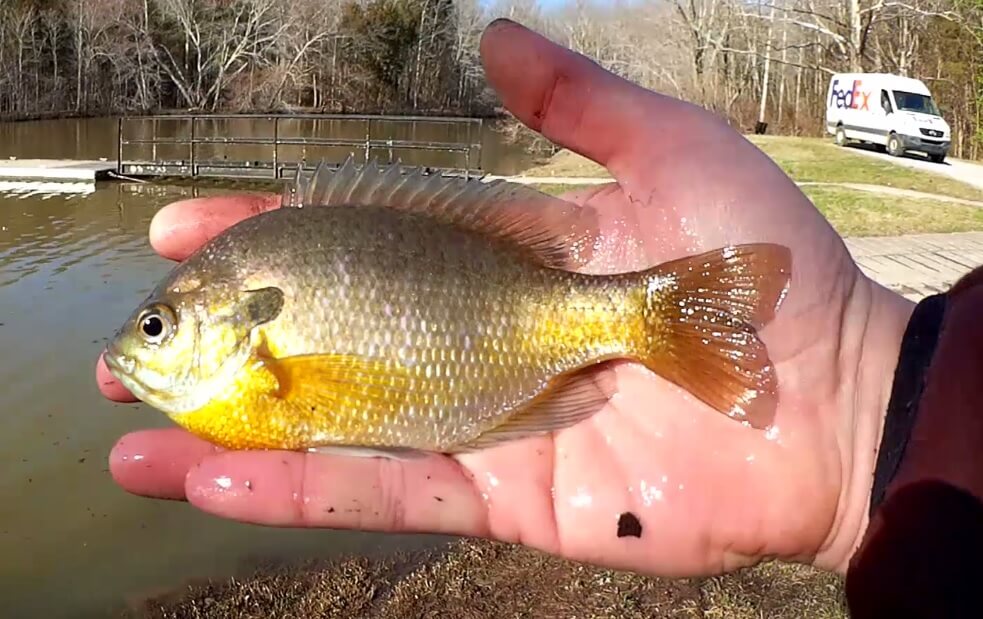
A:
[566,401]
[404,454]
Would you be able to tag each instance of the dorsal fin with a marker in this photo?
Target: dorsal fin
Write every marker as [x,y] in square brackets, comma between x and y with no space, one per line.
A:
[555,232]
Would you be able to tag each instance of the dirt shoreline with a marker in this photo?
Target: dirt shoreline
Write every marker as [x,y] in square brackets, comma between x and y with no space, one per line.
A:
[477,578]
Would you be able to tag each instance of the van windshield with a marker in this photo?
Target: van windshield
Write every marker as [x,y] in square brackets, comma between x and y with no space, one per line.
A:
[912,102]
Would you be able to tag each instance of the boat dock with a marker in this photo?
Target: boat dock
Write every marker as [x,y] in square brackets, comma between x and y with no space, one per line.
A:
[273,146]
[264,147]
[55,170]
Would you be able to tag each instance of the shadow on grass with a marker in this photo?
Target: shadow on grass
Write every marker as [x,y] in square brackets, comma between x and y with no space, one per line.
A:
[877,148]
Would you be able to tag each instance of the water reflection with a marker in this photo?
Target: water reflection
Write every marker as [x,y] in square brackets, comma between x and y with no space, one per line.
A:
[96,138]
[44,190]
[73,544]
[74,259]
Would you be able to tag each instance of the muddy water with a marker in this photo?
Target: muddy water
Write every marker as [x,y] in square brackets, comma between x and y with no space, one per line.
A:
[72,544]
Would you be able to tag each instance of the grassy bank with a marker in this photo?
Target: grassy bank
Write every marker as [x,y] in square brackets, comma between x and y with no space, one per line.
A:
[851,211]
[860,213]
[472,579]
[817,159]
[803,159]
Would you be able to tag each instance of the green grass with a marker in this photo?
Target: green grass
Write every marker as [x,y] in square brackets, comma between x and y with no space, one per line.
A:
[816,159]
[566,163]
[803,159]
[556,189]
[860,213]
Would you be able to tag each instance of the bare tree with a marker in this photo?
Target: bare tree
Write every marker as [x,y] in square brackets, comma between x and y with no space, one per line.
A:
[768,60]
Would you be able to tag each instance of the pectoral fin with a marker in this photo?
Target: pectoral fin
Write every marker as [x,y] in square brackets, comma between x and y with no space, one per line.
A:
[341,384]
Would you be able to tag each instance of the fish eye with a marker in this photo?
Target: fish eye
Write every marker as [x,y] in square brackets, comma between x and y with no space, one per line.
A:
[155,324]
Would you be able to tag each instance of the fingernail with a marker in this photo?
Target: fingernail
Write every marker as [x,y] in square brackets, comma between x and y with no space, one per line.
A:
[502,22]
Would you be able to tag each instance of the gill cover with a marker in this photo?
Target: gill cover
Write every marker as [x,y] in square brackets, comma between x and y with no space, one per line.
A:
[225,344]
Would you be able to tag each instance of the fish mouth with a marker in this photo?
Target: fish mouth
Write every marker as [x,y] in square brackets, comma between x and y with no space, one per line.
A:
[123,369]
[119,365]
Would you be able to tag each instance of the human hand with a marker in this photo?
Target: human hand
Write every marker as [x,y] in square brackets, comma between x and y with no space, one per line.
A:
[710,494]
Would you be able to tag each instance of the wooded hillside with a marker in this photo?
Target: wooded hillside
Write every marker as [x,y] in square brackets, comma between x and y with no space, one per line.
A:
[767,59]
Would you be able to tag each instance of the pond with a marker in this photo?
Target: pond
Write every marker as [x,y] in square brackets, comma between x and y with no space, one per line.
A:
[72,266]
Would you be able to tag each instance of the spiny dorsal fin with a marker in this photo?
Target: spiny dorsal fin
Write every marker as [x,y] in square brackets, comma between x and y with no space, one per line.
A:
[557,233]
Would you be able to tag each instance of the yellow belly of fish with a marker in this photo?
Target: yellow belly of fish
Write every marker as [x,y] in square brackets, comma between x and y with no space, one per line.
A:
[327,399]
[306,401]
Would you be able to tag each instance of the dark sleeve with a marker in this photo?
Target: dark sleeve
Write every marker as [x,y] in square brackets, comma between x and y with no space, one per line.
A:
[922,554]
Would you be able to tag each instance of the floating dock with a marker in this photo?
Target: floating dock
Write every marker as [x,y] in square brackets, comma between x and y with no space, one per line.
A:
[55,170]
[206,145]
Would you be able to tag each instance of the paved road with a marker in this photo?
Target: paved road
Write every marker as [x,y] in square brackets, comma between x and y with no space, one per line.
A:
[958,169]
[920,264]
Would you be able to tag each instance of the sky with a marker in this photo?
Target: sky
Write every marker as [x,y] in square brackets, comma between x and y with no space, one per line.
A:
[554,4]
[549,4]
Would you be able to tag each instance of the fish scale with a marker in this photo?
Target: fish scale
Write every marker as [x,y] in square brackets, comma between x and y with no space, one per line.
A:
[468,294]
[440,315]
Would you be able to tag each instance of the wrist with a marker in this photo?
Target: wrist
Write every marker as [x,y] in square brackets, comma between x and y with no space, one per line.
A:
[919,552]
[872,340]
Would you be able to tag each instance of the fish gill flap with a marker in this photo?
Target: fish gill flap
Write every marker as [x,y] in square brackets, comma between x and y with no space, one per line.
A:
[557,233]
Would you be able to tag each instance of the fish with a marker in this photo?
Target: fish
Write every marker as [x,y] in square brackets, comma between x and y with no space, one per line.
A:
[385,312]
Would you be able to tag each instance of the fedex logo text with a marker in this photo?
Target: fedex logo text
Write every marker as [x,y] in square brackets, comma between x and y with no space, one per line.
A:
[854,98]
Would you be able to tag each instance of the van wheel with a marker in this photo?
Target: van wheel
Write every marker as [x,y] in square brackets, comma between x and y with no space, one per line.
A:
[937,158]
[894,146]
[840,136]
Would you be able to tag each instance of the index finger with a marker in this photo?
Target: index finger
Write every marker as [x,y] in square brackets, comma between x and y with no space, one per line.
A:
[176,231]
[180,228]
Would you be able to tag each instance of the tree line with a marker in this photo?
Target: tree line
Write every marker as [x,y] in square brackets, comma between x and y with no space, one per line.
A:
[749,60]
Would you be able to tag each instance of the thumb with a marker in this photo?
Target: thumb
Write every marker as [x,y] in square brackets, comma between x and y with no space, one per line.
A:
[576,103]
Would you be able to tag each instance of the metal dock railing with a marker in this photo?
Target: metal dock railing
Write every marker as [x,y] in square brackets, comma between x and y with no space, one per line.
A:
[368,145]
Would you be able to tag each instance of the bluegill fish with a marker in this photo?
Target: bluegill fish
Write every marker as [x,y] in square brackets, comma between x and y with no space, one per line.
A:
[380,312]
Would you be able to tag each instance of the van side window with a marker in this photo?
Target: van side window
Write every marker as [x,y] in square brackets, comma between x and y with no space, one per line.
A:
[885,101]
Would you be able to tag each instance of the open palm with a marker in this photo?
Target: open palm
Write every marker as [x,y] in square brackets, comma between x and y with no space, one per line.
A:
[708,493]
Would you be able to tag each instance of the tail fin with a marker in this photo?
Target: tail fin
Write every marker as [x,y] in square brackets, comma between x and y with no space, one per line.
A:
[702,316]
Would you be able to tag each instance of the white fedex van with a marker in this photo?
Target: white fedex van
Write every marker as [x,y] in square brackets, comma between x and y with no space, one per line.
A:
[893,111]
